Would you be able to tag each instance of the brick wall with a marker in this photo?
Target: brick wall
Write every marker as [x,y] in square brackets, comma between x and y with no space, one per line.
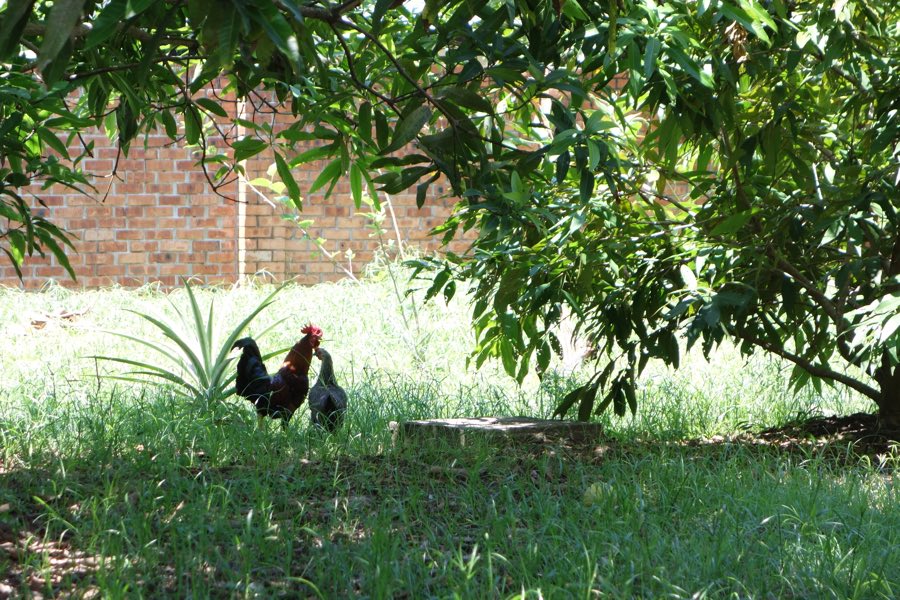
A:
[273,245]
[158,220]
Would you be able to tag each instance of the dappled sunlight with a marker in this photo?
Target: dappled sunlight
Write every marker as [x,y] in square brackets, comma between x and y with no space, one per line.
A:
[114,484]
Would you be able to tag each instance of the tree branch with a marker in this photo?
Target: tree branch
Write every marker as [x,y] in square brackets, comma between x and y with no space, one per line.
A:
[824,302]
[400,69]
[117,68]
[814,370]
[329,14]
[83,29]
[351,68]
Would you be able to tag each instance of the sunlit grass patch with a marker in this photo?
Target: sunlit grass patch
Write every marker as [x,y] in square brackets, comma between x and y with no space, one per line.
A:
[162,495]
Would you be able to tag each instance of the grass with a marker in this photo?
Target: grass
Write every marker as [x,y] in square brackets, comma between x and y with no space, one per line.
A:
[129,491]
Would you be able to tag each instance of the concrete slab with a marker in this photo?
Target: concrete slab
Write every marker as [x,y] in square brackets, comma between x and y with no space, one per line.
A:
[515,428]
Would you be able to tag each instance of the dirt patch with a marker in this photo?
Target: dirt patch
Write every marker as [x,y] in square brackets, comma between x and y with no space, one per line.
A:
[35,567]
[45,568]
[861,431]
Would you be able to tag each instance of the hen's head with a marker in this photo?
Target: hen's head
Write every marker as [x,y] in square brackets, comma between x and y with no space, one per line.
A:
[313,333]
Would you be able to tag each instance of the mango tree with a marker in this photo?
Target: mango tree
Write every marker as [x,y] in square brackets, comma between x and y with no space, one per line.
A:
[713,169]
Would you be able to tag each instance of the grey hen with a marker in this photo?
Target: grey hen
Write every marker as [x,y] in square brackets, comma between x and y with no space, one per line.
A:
[327,400]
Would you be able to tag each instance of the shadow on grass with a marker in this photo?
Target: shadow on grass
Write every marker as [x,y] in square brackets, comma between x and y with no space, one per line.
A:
[296,515]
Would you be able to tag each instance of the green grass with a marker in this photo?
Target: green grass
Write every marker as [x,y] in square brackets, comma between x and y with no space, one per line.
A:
[129,491]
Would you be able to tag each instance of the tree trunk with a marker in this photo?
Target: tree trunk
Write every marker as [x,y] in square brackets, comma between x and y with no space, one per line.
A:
[889,378]
[889,404]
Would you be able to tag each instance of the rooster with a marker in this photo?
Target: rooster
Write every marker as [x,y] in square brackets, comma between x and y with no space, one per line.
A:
[327,400]
[279,395]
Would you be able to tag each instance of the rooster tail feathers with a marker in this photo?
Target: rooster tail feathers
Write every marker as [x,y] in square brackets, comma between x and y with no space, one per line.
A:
[252,381]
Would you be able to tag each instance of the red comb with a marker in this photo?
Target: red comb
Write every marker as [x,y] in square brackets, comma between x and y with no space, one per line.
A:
[312,330]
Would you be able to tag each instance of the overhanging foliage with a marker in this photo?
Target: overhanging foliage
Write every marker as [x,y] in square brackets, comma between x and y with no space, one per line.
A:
[777,120]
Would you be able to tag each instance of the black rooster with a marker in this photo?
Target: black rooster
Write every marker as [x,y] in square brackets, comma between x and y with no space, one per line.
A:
[279,395]
[327,400]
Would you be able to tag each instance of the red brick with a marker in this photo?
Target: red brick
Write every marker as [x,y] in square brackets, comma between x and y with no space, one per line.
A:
[110,270]
[176,246]
[81,224]
[205,223]
[191,211]
[141,246]
[228,210]
[97,166]
[199,246]
[159,211]
[112,247]
[131,258]
[220,257]
[138,199]
[208,269]
[163,257]
[172,269]
[64,213]
[98,259]
[129,234]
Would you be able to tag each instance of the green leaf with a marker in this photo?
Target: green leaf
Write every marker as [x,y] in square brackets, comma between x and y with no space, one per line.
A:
[889,329]
[105,24]
[313,154]
[49,138]
[439,280]
[508,290]
[294,9]
[169,123]
[15,17]
[331,172]
[279,31]
[749,23]
[381,8]
[247,147]
[365,121]
[689,66]
[586,402]
[628,389]
[382,129]
[64,15]
[573,10]
[594,155]
[690,280]
[192,125]
[467,99]
[651,52]
[449,291]
[356,184]
[17,245]
[586,186]
[408,128]
[732,223]
[8,212]
[543,356]
[287,178]
[422,192]
[212,106]
[568,401]
[508,357]
[57,251]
